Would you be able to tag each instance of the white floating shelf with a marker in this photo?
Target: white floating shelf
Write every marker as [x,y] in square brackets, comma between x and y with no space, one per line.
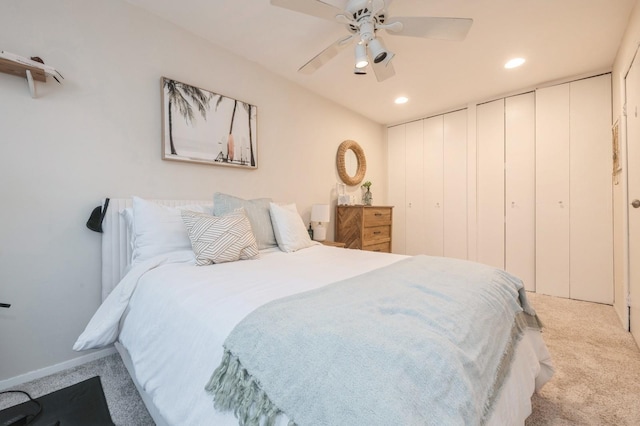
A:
[32,74]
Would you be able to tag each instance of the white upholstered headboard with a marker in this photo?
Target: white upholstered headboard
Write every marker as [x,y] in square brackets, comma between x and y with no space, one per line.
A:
[116,250]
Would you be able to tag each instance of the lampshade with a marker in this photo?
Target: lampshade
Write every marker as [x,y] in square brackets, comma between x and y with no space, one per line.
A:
[361,56]
[378,51]
[320,213]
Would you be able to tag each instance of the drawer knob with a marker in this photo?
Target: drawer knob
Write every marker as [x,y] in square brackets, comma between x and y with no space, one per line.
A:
[377,232]
[378,214]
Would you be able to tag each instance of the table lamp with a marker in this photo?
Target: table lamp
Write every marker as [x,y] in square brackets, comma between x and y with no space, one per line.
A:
[320,213]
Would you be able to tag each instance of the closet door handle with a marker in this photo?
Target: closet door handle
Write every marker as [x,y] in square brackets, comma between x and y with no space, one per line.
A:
[635,204]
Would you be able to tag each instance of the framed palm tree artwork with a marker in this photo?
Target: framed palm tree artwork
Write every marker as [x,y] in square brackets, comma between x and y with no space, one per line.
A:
[200,126]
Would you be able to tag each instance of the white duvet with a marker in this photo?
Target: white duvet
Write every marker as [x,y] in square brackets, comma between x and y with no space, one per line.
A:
[173,318]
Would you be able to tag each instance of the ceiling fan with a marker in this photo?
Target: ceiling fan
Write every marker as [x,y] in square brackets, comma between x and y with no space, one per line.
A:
[363,19]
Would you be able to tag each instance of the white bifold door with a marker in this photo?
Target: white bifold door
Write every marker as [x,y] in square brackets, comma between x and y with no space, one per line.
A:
[454,223]
[632,86]
[445,185]
[427,185]
[397,148]
[552,190]
[574,219]
[506,186]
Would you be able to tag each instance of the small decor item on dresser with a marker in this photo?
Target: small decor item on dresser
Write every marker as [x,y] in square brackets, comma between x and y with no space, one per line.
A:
[343,198]
[367,197]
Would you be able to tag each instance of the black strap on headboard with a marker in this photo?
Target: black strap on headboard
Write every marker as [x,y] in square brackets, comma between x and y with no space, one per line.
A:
[97,216]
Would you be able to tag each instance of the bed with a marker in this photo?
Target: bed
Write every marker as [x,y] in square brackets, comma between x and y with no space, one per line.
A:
[171,321]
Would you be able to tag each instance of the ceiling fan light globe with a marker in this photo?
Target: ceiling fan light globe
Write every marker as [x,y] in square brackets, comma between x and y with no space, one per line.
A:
[377,50]
[361,56]
[380,57]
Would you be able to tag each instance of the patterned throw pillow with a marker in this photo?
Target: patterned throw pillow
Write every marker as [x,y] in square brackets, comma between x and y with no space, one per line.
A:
[219,239]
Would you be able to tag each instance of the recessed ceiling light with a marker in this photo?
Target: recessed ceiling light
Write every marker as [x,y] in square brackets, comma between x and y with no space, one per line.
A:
[514,63]
[401,100]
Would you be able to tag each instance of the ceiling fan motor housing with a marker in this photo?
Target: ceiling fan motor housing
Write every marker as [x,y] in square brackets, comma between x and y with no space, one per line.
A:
[362,11]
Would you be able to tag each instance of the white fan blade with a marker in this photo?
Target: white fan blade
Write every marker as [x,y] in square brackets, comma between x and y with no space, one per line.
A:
[315,8]
[428,27]
[326,55]
[383,70]
[376,6]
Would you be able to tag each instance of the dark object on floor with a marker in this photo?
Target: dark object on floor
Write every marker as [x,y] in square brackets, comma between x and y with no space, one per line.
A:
[81,404]
[22,419]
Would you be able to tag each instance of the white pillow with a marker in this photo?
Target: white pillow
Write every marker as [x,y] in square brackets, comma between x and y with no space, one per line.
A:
[159,229]
[127,215]
[288,228]
[220,239]
[257,212]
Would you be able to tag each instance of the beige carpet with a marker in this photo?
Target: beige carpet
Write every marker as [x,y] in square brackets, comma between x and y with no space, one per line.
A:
[597,379]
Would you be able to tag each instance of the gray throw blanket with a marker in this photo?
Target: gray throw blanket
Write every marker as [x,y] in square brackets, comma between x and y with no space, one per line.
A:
[424,341]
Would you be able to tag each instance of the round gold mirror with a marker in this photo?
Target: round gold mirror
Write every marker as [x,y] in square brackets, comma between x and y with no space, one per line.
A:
[354,175]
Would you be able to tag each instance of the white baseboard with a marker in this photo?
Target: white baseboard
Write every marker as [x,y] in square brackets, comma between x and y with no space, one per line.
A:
[43,372]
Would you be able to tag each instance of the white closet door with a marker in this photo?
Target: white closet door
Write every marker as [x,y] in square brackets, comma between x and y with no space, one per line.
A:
[591,216]
[520,188]
[414,203]
[632,89]
[490,195]
[397,185]
[455,184]
[433,184]
[552,190]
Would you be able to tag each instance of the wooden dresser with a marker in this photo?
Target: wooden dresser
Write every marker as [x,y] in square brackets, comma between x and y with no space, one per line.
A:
[364,227]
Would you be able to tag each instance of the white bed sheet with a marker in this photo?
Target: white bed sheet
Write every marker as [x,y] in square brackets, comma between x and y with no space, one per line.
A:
[180,315]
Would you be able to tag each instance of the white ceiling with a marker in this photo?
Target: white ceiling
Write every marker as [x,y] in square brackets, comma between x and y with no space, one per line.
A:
[558,38]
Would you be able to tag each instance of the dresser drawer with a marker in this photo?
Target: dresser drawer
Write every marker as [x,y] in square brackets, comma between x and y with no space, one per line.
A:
[365,227]
[382,247]
[376,216]
[374,233]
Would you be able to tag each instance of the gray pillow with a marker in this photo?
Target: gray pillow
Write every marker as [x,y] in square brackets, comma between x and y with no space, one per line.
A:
[257,211]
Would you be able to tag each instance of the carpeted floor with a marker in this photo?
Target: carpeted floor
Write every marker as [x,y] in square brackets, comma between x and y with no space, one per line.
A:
[597,379]
[125,404]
